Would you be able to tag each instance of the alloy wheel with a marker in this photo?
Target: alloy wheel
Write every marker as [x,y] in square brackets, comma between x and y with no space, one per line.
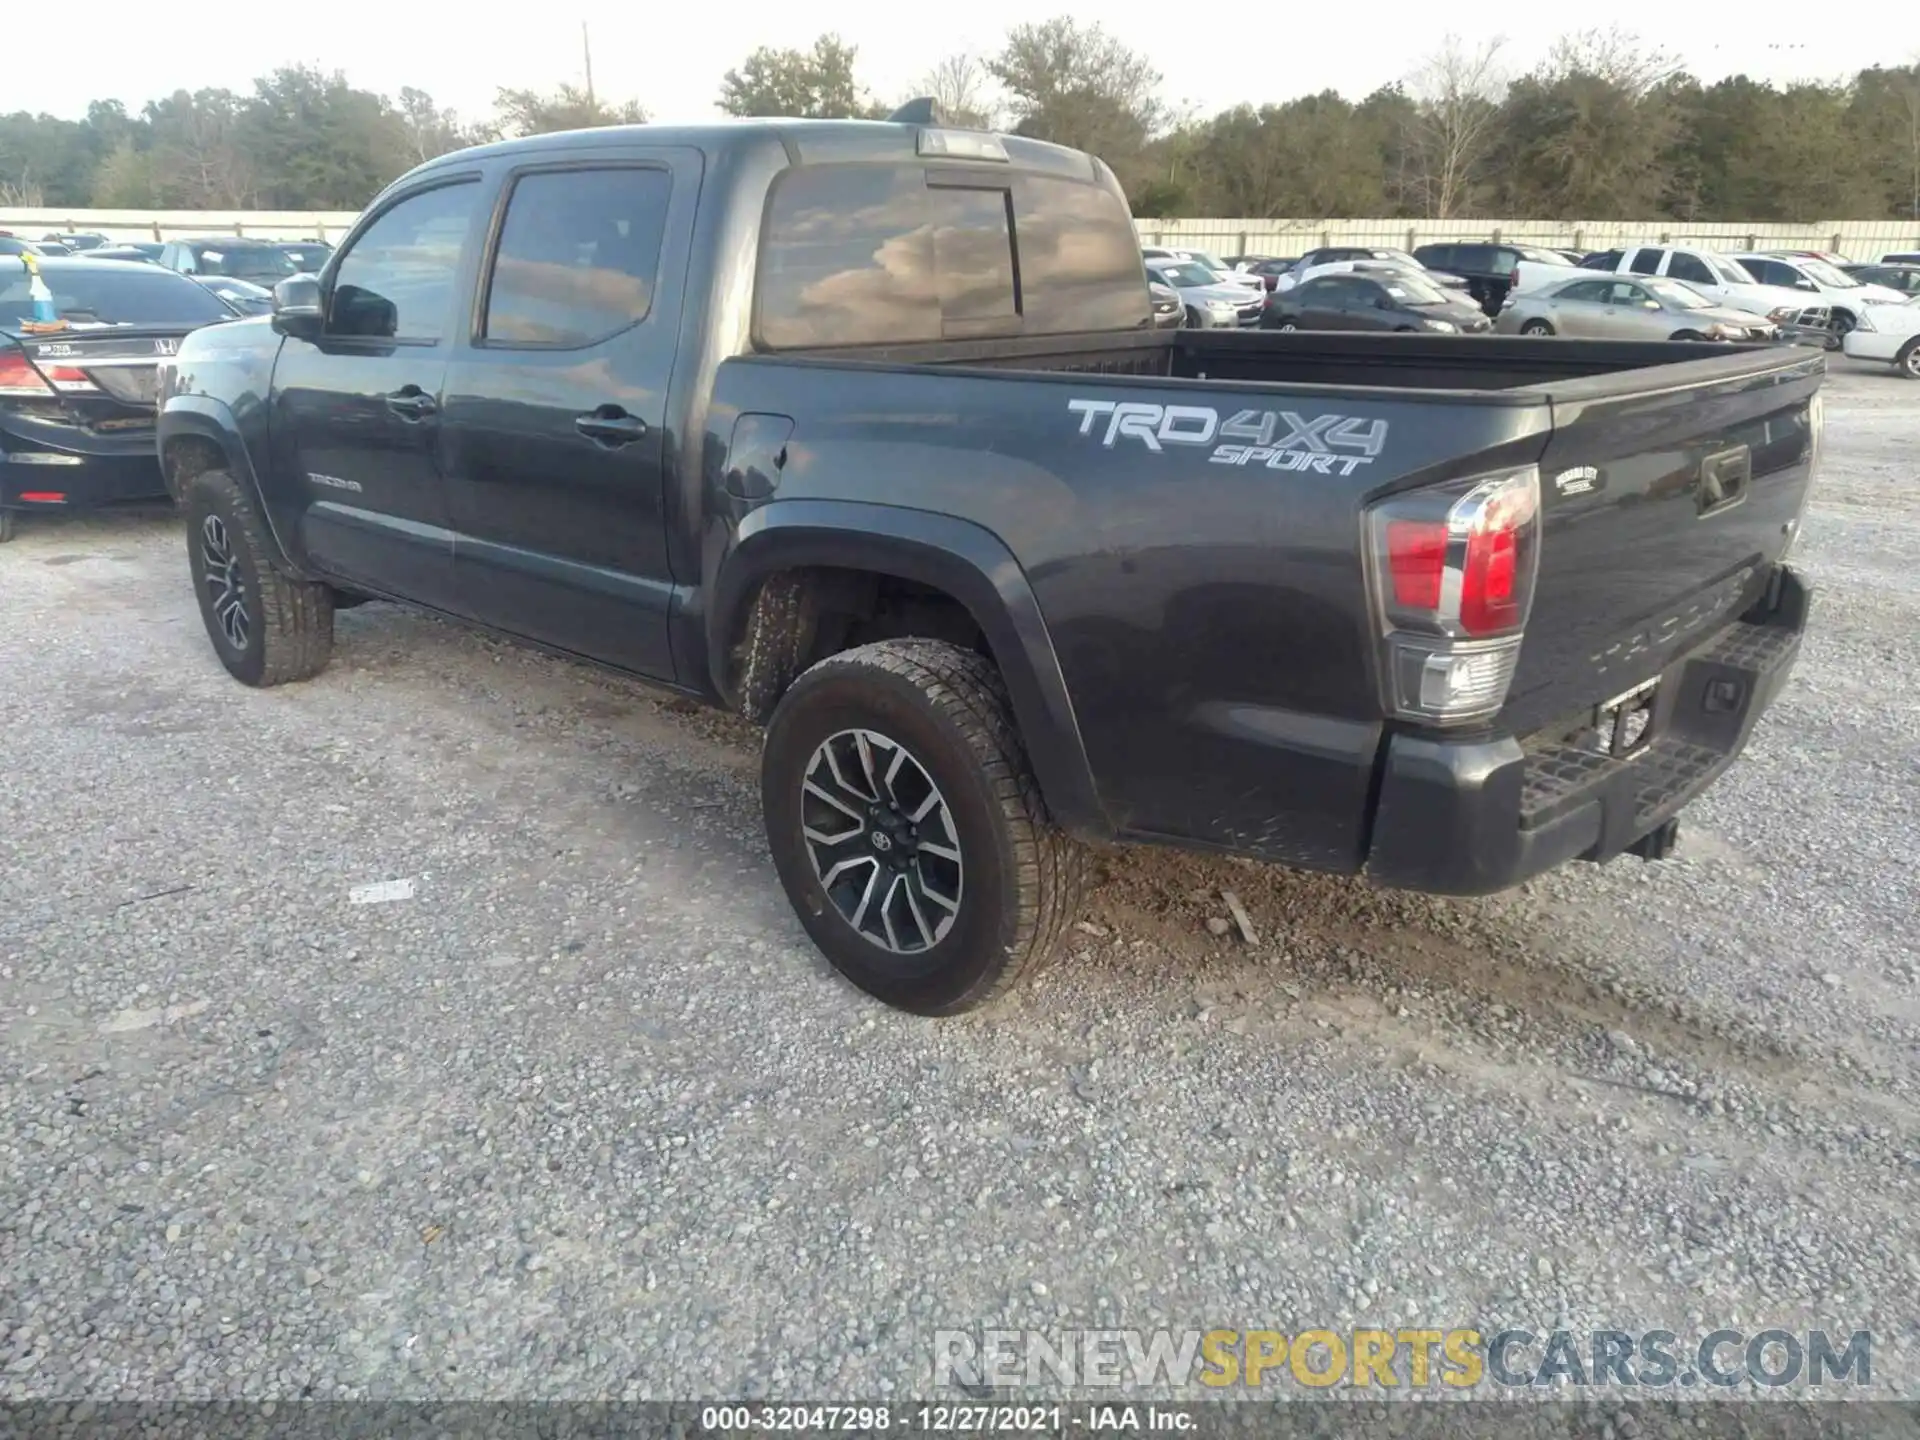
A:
[882,842]
[226,586]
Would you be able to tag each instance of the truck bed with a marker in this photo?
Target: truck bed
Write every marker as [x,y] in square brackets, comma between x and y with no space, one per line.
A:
[1294,358]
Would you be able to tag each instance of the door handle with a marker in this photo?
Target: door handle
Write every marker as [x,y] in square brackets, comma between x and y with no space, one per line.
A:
[610,426]
[410,402]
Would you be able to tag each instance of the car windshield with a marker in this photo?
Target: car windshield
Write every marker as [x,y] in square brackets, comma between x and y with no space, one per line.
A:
[1186,274]
[1210,260]
[1400,257]
[1677,295]
[1823,274]
[245,262]
[112,295]
[1416,290]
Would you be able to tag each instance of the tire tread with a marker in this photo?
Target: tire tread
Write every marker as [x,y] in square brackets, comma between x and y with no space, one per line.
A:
[296,616]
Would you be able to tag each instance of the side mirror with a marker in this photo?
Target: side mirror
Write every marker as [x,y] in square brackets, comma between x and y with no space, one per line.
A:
[297,311]
[1650,304]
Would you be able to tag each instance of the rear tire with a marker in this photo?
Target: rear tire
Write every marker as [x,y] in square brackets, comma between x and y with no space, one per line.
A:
[8,526]
[1536,327]
[933,879]
[1686,335]
[1907,362]
[266,628]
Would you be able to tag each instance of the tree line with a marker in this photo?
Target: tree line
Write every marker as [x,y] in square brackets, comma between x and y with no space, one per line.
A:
[1605,127]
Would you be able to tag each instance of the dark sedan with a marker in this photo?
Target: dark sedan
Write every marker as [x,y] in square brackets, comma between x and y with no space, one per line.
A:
[135,250]
[77,394]
[309,255]
[1904,278]
[1357,301]
[263,262]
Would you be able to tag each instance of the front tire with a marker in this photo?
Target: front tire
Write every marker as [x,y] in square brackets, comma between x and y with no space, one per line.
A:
[1907,362]
[1841,323]
[1686,335]
[1536,327]
[908,830]
[1194,322]
[266,628]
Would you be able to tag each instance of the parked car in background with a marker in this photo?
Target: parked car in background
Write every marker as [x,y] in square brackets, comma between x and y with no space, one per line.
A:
[1168,312]
[1903,278]
[309,255]
[138,251]
[1572,257]
[78,241]
[261,261]
[1375,267]
[244,296]
[1268,269]
[1401,300]
[1600,307]
[1490,269]
[77,403]
[1844,295]
[53,247]
[1210,303]
[12,244]
[1900,257]
[1720,278]
[1832,257]
[1889,334]
[1222,272]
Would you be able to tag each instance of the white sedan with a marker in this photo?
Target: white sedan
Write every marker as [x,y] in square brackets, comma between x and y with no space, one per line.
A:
[1889,334]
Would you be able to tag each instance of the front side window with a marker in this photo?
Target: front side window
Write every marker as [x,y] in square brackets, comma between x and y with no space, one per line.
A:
[395,282]
[578,257]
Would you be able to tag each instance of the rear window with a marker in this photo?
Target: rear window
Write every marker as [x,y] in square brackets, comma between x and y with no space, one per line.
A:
[112,294]
[258,263]
[878,254]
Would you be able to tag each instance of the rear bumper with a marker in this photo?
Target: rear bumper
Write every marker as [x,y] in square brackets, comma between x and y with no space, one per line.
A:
[1474,817]
[39,462]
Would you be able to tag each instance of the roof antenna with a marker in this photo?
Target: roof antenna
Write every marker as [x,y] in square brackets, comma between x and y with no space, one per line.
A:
[923,111]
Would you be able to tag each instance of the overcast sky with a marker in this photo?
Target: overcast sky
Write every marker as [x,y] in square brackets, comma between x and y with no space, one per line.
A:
[671,57]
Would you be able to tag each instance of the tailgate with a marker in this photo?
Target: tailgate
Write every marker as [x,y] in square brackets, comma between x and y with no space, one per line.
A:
[1666,497]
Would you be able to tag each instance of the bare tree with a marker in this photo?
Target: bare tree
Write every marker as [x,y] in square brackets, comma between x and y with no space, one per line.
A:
[960,85]
[1616,56]
[1457,97]
[21,192]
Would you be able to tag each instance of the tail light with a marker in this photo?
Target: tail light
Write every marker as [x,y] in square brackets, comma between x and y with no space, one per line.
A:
[19,376]
[1513,278]
[1452,573]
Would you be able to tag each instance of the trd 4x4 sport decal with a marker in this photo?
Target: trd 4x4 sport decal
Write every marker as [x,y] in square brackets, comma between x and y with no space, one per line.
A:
[1277,439]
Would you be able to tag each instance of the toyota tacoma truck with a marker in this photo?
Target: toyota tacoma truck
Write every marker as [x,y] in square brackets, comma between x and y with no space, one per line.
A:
[864,430]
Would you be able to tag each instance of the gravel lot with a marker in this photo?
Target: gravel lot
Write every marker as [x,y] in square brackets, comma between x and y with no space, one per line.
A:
[587,1115]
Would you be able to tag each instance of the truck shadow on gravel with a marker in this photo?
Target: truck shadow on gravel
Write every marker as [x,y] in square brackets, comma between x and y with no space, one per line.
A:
[1495,985]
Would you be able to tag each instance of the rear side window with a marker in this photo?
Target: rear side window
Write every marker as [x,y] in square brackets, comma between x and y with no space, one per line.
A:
[874,254]
[1645,262]
[1436,257]
[1602,260]
[578,256]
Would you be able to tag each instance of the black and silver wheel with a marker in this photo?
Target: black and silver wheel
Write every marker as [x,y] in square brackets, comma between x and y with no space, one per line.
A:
[1841,323]
[267,629]
[907,828]
[1907,362]
[1536,327]
[1288,325]
[881,838]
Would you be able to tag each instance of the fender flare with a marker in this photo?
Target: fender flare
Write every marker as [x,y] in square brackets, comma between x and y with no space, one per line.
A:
[212,420]
[958,557]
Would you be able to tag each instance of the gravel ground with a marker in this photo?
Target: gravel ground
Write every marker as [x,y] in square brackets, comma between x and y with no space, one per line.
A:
[587,1116]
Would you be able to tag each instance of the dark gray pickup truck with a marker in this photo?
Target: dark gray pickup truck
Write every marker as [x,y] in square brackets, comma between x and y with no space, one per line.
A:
[864,430]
